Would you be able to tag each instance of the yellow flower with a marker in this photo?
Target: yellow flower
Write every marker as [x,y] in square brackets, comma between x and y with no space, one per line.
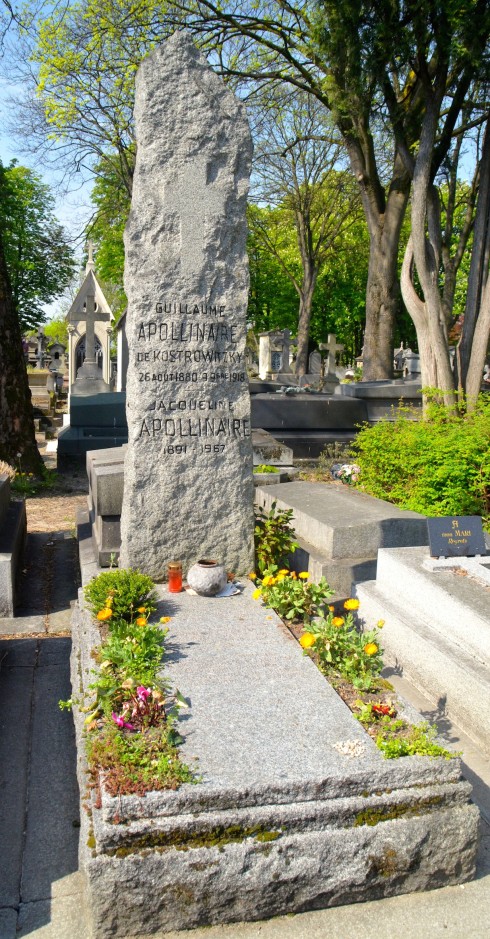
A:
[338,621]
[284,571]
[307,640]
[268,580]
[141,609]
[280,577]
[332,609]
[256,594]
[140,621]
[351,604]
[165,619]
[370,648]
[304,575]
[294,575]
[380,623]
[252,576]
[104,614]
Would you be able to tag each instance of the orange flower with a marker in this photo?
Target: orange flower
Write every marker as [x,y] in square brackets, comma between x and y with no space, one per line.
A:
[351,604]
[141,621]
[332,609]
[338,621]
[104,614]
[370,648]
[141,609]
[307,640]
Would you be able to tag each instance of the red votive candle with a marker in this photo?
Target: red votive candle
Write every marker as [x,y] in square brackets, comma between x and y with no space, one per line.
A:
[174,576]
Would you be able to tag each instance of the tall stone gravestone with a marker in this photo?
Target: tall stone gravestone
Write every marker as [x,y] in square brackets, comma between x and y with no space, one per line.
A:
[188,486]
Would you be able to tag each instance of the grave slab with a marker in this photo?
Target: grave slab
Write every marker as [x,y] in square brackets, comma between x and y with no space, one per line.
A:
[341,520]
[295,808]
[437,632]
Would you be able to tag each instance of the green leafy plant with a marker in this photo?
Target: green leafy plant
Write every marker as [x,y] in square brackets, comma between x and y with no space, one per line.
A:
[292,597]
[121,597]
[342,647]
[27,484]
[416,739]
[274,538]
[439,465]
[265,468]
[130,713]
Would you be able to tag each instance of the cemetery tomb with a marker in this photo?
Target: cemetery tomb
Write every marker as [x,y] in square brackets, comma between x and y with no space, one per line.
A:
[13,528]
[293,808]
[438,630]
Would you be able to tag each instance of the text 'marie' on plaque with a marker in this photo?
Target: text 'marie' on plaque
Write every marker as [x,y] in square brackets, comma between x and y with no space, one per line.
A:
[456,536]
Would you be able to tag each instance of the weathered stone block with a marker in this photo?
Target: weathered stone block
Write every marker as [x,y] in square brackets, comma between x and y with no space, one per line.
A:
[295,809]
[186,279]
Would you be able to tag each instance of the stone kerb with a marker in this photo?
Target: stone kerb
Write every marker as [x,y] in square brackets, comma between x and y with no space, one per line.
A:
[13,528]
[188,488]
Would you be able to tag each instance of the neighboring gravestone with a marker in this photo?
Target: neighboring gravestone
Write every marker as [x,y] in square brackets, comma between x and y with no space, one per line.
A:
[188,488]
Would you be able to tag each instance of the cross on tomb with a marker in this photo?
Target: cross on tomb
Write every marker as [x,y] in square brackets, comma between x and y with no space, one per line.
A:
[331,347]
[193,199]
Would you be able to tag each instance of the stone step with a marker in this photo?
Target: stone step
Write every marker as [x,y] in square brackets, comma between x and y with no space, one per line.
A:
[342,522]
[452,678]
[459,606]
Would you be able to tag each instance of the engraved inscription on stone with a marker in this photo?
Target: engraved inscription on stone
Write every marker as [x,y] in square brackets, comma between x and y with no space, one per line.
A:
[188,490]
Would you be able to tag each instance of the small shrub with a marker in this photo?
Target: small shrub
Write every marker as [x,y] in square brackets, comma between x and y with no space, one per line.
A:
[439,465]
[121,597]
[343,648]
[274,538]
[292,597]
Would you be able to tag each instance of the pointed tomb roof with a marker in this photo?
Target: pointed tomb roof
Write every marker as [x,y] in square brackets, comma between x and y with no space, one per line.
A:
[90,288]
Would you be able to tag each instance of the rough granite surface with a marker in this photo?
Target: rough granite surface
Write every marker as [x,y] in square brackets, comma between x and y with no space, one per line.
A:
[295,809]
[188,486]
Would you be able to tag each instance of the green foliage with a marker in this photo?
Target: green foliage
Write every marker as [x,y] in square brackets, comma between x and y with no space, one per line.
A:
[38,255]
[28,484]
[130,718]
[292,597]
[418,739]
[343,648]
[274,538]
[137,763]
[265,468]
[124,593]
[437,466]
[56,330]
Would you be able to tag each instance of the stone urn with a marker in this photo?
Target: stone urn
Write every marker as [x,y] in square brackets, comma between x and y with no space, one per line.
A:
[207,577]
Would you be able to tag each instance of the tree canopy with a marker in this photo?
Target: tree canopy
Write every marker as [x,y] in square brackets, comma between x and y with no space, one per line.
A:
[38,256]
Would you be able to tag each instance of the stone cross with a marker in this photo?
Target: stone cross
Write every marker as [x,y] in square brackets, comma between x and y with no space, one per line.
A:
[331,347]
[194,200]
[90,265]
[40,347]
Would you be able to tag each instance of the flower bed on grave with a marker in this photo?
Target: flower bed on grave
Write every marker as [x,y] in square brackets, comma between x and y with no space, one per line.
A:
[131,734]
[350,656]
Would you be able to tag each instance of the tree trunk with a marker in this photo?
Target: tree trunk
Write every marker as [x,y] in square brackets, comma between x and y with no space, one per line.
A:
[477,281]
[304,318]
[384,216]
[17,436]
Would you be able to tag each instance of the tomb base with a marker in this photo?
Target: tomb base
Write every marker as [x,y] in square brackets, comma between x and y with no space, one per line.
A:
[294,807]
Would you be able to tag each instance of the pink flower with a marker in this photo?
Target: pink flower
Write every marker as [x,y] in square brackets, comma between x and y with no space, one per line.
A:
[143,693]
[120,721]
